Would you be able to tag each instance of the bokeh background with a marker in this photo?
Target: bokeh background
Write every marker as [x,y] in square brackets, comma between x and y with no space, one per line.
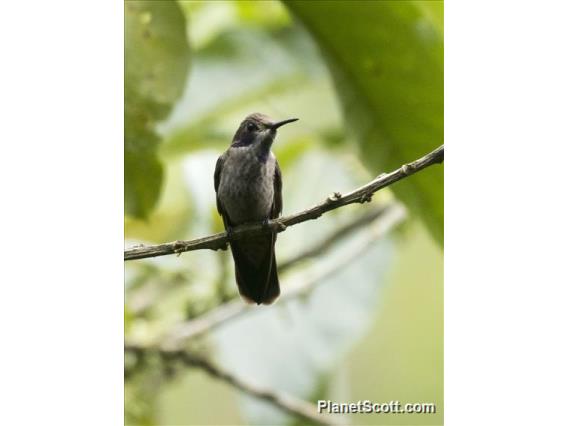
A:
[366,80]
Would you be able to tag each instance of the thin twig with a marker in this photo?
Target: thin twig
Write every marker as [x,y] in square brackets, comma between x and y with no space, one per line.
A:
[184,331]
[297,407]
[334,201]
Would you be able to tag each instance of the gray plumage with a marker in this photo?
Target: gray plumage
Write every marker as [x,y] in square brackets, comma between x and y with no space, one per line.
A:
[248,184]
[246,189]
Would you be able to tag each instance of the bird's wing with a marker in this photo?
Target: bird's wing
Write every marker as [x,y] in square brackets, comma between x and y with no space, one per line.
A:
[217,181]
[277,202]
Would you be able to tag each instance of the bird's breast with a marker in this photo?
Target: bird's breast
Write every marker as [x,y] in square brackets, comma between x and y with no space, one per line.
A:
[246,188]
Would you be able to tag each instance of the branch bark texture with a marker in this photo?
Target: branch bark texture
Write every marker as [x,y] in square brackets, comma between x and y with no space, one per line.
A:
[334,201]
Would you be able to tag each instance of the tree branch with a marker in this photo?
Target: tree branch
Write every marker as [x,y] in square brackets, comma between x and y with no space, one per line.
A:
[297,407]
[359,195]
[175,339]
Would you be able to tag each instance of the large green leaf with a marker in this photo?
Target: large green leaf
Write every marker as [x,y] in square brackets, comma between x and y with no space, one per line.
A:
[387,61]
[156,66]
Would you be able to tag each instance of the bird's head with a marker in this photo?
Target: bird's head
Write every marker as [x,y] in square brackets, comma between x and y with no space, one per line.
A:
[258,129]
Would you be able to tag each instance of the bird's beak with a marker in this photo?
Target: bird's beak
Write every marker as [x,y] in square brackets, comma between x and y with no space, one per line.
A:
[276,125]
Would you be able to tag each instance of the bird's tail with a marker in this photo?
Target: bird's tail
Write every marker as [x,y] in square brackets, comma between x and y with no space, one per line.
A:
[255,269]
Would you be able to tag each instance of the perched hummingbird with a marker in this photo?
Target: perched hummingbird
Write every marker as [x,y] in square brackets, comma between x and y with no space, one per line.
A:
[248,183]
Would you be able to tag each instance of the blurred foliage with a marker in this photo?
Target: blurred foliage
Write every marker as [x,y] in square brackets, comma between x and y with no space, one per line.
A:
[387,60]
[156,65]
[254,56]
[404,350]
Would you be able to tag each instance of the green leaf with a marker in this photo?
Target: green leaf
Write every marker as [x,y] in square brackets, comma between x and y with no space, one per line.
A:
[387,62]
[156,66]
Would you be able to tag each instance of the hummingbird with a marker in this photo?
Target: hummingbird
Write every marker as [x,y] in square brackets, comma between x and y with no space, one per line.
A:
[248,185]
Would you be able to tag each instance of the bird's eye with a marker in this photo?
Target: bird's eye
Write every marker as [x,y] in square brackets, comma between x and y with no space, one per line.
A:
[251,127]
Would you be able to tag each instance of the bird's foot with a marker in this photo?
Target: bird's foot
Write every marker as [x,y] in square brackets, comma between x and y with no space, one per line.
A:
[230,233]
